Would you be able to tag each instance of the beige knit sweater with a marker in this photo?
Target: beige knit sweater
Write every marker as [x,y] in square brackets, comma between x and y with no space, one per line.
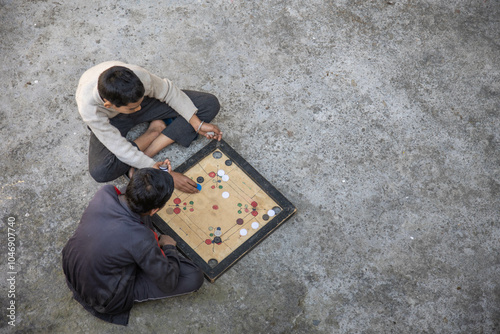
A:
[96,116]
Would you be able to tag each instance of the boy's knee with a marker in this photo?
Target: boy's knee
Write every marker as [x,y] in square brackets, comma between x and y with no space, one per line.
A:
[200,279]
[211,106]
[195,278]
[100,174]
[98,177]
[214,103]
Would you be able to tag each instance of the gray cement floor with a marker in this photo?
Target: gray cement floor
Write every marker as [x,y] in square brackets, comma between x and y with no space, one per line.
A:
[378,119]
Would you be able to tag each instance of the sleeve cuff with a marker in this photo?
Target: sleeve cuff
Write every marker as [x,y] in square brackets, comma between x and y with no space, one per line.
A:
[165,247]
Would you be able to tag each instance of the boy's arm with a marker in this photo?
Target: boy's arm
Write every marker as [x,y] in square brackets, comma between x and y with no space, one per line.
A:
[110,137]
[160,266]
[165,91]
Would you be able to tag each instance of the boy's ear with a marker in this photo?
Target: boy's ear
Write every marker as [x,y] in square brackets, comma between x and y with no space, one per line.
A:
[107,104]
[152,212]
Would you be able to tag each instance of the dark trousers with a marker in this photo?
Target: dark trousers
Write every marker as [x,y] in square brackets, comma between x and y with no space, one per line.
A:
[190,280]
[104,166]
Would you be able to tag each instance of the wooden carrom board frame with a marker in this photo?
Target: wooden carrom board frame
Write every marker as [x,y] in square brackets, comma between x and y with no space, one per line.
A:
[213,271]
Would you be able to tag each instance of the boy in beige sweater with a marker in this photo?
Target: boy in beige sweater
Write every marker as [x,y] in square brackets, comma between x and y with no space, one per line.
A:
[113,97]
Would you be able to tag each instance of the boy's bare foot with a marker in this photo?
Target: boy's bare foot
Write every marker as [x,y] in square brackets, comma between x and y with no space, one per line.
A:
[157,145]
[154,130]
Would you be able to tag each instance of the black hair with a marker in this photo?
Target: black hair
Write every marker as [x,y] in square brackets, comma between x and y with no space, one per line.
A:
[120,86]
[149,189]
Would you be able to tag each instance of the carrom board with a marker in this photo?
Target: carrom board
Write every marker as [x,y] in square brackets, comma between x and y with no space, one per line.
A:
[235,209]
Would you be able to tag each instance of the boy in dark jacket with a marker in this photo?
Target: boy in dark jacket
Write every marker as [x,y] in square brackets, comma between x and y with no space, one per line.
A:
[114,259]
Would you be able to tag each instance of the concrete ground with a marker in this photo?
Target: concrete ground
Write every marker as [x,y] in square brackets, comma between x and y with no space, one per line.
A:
[378,119]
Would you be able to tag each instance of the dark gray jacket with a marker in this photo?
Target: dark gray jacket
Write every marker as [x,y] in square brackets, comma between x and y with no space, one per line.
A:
[109,246]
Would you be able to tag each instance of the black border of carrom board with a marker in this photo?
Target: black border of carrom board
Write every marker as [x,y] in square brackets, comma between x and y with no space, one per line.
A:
[288,209]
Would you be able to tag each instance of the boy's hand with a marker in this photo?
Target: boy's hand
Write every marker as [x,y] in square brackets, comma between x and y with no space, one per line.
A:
[167,240]
[165,163]
[211,131]
[181,182]
[184,183]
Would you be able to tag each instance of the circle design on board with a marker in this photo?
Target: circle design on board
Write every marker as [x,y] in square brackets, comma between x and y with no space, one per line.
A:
[243,232]
[239,221]
[265,217]
[177,211]
[217,154]
[177,201]
[254,213]
[208,242]
[215,207]
[212,174]
[254,204]
[228,162]
[200,179]
[255,225]
[170,211]
[225,194]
